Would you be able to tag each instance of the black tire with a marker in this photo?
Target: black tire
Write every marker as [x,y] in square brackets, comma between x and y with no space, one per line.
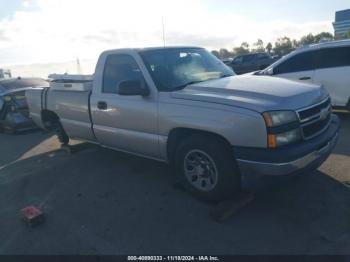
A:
[228,180]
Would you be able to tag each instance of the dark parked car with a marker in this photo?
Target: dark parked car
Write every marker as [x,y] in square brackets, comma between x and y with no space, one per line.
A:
[251,62]
[14,113]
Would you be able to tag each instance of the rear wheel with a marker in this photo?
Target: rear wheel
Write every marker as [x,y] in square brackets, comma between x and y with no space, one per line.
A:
[206,167]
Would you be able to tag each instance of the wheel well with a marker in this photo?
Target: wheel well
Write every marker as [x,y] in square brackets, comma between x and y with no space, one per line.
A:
[49,118]
[178,134]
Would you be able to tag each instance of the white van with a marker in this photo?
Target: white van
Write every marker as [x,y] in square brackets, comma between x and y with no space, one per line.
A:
[325,63]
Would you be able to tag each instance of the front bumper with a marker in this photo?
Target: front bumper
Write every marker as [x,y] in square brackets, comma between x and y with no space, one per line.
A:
[291,159]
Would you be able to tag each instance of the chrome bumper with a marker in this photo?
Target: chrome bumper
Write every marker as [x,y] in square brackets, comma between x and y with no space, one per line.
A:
[315,158]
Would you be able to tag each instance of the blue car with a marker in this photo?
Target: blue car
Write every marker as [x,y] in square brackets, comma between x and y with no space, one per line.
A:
[14,113]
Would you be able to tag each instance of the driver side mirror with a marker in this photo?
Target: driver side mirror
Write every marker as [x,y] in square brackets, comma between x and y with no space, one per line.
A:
[132,88]
[270,71]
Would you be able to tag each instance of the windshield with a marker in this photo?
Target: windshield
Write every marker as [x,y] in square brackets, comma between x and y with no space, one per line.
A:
[174,69]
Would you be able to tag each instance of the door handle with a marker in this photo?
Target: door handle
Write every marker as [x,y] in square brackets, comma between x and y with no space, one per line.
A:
[305,78]
[102,105]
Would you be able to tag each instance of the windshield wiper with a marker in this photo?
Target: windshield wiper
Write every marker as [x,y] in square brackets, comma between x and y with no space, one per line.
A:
[187,84]
[224,76]
[199,81]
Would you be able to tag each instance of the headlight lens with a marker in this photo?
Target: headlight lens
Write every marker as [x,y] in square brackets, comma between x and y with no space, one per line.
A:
[282,128]
[288,137]
[278,118]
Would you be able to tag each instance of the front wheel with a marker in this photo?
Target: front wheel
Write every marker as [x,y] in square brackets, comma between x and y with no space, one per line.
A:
[206,167]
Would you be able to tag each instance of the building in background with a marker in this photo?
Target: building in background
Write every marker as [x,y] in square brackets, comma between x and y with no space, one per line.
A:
[342,24]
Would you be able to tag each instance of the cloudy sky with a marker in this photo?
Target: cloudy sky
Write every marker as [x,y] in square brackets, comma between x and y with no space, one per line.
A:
[38,37]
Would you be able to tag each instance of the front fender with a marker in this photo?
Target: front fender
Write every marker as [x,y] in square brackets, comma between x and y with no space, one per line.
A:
[240,127]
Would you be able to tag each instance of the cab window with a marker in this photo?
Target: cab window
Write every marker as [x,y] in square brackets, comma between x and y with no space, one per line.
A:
[118,68]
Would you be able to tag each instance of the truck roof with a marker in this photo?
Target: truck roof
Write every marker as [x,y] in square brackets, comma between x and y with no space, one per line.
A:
[155,48]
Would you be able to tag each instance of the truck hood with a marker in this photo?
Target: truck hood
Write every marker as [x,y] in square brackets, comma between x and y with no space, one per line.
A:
[258,93]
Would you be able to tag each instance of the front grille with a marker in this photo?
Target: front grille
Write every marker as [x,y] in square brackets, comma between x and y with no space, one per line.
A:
[315,119]
[314,128]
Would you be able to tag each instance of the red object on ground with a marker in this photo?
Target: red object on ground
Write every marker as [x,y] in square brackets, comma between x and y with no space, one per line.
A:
[32,215]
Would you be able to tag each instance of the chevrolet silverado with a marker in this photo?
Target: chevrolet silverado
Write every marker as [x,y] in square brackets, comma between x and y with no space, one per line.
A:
[183,106]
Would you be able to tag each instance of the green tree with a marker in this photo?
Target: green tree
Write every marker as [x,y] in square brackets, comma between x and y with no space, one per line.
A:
[216,53]
[224,53]
[243,49]
[259,46]
[307,40]
[295,44]
[268,48]
[283,46]
[245,45]
[314,39]
[323,36]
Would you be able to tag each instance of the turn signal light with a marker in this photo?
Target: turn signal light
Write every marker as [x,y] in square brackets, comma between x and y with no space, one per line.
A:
[271,140]
[268,119]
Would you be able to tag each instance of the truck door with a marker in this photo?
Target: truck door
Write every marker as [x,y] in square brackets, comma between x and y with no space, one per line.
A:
[298,67]
[127,123]
[333,72]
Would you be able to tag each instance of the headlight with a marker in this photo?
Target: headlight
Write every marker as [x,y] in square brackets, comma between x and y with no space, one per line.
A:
[278,118]
[282,128]
[288,137]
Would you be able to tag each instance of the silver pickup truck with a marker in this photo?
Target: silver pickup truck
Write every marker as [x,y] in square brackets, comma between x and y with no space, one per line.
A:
[185,107]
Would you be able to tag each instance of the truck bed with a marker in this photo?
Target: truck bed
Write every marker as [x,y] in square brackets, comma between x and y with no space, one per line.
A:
[70,105]
[67,104]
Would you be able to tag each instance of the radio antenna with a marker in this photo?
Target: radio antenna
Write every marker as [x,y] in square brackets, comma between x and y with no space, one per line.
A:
[79,71]
[163,31]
